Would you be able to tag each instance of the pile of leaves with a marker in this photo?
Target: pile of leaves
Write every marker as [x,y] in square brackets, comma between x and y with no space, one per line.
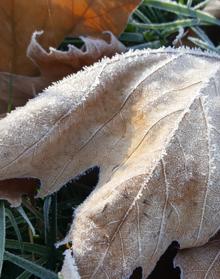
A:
[124,155]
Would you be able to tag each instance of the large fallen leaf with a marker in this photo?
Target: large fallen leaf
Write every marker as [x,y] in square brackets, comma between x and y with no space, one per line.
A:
[150,120]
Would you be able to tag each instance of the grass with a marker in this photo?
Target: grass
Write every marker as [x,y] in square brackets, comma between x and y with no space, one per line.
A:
[157,23]
[28,255]
[160,23]
[28,234]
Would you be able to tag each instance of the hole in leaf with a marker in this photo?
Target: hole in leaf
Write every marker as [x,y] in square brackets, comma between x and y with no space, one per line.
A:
[76,41]
[137,273]
[215,236]
[88,178]
[74,193]
[79,188]
[213,33]
[164,267]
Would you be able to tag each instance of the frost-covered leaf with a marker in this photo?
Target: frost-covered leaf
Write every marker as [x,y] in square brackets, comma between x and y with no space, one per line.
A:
[150,120]
[200,263]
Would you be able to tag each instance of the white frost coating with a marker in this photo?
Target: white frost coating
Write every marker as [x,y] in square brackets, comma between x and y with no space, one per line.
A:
[69,269]
[139,52]
[151,172]
[142,111]
[63,241]
[83,212]
[61,90]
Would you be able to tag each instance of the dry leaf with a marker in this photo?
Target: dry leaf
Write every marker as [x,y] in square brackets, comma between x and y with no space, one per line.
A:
[13,189]
[200,263]
[150,120]
[57,18]
[17,89]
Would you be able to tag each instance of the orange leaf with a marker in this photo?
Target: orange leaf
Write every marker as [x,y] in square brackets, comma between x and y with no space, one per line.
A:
[57,18]
[19,19]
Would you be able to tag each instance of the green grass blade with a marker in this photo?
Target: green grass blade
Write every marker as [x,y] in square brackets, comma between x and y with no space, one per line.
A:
[163,26]
[189,3]
[28,247]
[29,266]
[201,5]
[46,210]
[2,234]
[202,44]
[19,220]
[26,274]
[182,10]
[142,16]
[24,215]
[154,44]
[33,210]
[54,226]
[132,37]
[202,35]
[12,219]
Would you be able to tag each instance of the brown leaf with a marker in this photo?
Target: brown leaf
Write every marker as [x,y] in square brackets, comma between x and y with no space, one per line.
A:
[200,263]
[150,120]
[13,189]
[58,18]
[53,65]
